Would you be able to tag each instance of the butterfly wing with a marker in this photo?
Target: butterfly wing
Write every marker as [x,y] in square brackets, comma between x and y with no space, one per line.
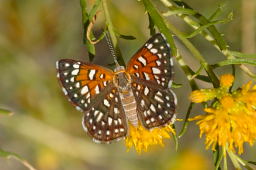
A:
[90,88]
[151,72]
[153,62]
[155,105]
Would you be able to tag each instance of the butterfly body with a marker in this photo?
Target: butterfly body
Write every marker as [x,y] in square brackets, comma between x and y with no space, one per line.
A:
[113,100]
[122,81]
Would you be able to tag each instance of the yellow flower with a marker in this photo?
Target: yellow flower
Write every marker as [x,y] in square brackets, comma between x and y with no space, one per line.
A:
[142,138]
[231,120]
[202,95]
[226,80]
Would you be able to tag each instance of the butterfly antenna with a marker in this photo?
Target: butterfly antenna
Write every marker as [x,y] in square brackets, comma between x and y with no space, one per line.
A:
[111,48]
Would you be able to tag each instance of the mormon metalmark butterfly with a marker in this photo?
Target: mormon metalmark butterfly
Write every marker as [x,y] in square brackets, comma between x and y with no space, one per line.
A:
[111,100]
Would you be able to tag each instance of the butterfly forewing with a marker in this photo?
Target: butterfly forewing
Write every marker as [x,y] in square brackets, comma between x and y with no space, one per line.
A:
[90,88]
[153,62]
[155,105]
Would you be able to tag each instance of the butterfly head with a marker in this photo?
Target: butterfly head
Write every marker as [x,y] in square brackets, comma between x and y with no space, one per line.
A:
[122,80]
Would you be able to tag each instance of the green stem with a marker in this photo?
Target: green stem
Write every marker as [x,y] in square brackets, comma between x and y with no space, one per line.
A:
[185,124]
[218,156]
[85,21]
[112,33]
[162,26]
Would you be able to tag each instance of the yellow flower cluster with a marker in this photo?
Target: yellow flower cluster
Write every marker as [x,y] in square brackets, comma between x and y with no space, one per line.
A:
[231,120]
[142,138]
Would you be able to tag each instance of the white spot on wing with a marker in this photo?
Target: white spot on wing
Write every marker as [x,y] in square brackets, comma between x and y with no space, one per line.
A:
[74,65]
[152,107]
[156,70]
[67,64]
[64,91]
[57,64]
[97,89]
[110,120]
[91,74]
[158,99]
[171,62]
[153,50]
[150,46]
[75,72]
[142,60]
[106,102]
[146,91]
[158,62]
[146,76]
[72,79]
[77,85]
[84,90]
[99,117]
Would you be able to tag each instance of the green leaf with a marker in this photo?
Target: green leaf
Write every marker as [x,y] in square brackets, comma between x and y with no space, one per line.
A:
[127,37]
[203,21]
[236,61]
[86,19]
[94,9]
[252,162]
[176,85]
[160,24]
[176,141]
[197,31]
[241,55]
[217,12]
[9,155]
[203,78]
[5,111]
[151,25]
[179,11]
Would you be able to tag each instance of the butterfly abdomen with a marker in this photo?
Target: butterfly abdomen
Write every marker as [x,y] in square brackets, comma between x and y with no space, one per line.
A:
[129,105]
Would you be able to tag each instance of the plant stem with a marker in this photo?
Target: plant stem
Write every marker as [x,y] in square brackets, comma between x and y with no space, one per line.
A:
[85,21]
[157,17]
[112,33]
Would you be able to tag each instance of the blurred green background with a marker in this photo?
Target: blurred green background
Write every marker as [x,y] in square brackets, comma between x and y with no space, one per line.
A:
[46,129]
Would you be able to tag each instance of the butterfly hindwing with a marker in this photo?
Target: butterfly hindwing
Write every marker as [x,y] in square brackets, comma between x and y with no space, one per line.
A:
[155,105]
[153,62]
[106,121]
[90,88]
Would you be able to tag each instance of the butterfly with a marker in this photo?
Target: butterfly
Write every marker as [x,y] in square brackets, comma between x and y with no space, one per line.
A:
[113,100]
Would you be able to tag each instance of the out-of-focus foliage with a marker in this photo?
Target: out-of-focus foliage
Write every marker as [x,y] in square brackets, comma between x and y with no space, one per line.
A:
[45,129]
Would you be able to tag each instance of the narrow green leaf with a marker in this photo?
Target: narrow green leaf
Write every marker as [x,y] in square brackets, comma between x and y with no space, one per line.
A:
[179,11]
[221,43]
[94,9]
[126,37]
[234,159]
[197,31]
[252,162]
[185,124]
[217,12]
[203,78]
[5,111]
[241,55]
[176,141]
[9,155]
[151,25]
[86,18]
[176,85]
[236,61]
[160,24]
